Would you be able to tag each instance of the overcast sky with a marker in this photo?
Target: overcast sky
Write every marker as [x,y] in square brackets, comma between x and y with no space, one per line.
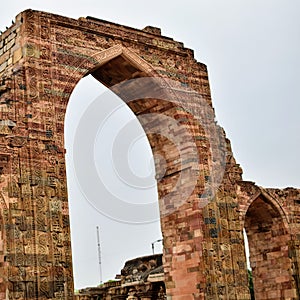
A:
[252,51]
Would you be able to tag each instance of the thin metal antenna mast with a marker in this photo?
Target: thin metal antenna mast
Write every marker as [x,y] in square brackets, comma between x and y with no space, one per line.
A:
[99,254]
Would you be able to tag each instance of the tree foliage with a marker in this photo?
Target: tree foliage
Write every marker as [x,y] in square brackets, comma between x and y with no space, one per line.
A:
[251,288]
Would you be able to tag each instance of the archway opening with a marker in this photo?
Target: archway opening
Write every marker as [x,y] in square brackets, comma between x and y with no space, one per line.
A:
[166,112]
[120,240]
[268,240]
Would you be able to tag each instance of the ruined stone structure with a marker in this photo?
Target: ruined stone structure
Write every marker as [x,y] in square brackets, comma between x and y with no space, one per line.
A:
[43,57]
[141,278]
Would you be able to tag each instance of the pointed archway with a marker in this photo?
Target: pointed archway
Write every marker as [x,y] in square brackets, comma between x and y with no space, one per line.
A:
[269,239]
[50,56]
[173,147]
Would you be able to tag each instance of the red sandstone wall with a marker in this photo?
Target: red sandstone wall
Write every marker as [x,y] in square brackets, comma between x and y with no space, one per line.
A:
[43,56]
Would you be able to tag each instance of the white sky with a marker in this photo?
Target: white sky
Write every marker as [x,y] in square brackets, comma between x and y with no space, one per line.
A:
[252,51]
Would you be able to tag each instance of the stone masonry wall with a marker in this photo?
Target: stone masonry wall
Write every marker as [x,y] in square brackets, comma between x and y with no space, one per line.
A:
[43,57]
[271,220]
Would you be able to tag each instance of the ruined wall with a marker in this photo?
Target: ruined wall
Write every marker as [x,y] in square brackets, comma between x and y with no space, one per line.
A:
[35,228]
[271,221]
[141,278]
[43,58]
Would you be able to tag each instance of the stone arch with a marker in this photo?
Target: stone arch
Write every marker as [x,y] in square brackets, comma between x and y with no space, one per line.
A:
[115,67]
[105,60]
[269,236]
[43,57]
[105,56]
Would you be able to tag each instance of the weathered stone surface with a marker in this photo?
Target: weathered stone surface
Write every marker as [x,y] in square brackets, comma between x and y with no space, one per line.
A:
[141,278]
[43,56]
